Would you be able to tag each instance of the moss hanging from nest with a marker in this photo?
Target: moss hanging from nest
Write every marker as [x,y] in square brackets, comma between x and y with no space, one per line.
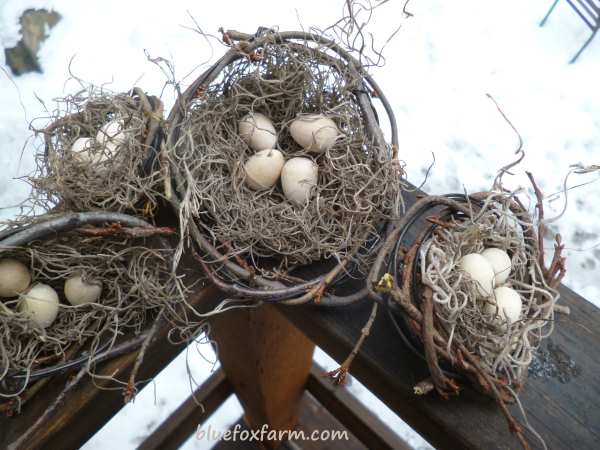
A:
[281,75]
[114,170]
[128,257]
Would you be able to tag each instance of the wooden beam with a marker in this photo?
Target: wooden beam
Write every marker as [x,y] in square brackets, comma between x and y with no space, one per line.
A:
[563,409]
[268,361]
[184,421]
[351,413]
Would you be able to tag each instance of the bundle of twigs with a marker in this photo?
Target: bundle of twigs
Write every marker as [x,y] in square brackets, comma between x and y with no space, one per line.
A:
[442,315]
[248,242]
[128,258]
[100,152]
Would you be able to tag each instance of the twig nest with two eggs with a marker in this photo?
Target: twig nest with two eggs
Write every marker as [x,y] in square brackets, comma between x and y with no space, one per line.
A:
[109,140]
[14,277]
[314,132]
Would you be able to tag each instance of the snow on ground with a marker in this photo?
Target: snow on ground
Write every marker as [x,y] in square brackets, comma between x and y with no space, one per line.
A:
[439,69]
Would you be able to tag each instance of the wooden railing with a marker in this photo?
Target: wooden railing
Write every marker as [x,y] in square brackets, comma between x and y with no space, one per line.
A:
[266,356]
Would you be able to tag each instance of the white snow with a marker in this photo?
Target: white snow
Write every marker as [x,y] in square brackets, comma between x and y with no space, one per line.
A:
[439,69]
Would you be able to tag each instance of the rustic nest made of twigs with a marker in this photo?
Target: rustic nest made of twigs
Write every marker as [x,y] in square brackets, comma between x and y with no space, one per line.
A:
[443,314]
[99,152]
[250,240]
[128,258]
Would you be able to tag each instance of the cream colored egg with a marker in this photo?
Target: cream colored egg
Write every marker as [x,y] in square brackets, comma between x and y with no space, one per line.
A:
[88,154]
[14,277]
[110,137]
[480,271]
[263,169]
[81,148]
[298,177]
[257,131]
[500,262]
[40,303]
[506,304]
[314,132]
[78,291]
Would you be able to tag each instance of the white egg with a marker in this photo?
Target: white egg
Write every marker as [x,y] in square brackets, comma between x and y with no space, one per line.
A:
[263,169]
[14,277]
[85,153]
[506,304]
[78,291]
[500,262]
[110,137]
[479,270]
[298,177]
[40,303]
[314,132]
[82,145]
[257,131]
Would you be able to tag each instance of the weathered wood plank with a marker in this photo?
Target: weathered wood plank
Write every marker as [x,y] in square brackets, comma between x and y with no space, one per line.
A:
[566,414]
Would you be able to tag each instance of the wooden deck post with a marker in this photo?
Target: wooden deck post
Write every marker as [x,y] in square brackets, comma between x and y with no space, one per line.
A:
[268,361]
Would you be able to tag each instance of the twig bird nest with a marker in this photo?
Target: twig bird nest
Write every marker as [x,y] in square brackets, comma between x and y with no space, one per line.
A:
[99,153]
[473,291]
[277,154]
[73,284]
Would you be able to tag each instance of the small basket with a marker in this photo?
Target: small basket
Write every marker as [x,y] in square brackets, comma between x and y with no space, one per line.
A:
[130,258]
[282,75]
[417,305]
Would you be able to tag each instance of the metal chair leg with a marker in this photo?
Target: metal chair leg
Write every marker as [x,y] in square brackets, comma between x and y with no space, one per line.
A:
[583,48]
[548,13]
